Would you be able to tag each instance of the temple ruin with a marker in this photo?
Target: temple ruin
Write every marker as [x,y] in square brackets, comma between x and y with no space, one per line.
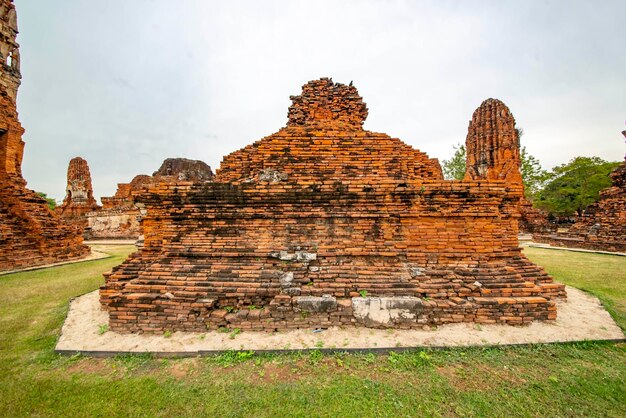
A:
[602,226]
[79,198]
[30,234]
[119,216]
[324,223]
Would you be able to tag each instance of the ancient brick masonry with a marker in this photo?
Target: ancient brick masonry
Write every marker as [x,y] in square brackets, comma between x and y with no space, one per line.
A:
[79,198]
[603,226]
[492,144]
[324,223]
[30,234]
[182,169]
[493,153]
[119,217]
[9,49]
[534,220]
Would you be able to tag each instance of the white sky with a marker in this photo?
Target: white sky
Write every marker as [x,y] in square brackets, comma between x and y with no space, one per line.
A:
[126,84]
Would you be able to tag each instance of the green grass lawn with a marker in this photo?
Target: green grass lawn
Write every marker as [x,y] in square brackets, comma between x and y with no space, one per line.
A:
[599,274]
[582,379]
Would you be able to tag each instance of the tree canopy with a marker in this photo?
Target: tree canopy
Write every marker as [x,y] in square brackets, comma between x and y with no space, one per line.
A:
[454,168]
[572,187]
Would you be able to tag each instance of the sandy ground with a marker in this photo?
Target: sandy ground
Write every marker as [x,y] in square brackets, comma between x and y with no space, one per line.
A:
[581,317]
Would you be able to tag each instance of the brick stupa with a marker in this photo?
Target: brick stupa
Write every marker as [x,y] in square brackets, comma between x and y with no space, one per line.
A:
[78,193]
[493,153]
[324,223]
[30,234]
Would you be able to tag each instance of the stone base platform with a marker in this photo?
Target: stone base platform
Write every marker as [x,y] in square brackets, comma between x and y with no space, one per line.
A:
[581,317]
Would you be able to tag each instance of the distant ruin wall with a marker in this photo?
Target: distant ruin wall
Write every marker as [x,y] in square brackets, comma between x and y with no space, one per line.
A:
[120,217]
[603,226]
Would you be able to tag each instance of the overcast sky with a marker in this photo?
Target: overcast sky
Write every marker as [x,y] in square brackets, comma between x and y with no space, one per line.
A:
[126,84]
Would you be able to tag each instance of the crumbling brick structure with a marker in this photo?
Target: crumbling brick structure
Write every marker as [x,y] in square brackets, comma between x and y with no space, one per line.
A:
[78,193]
[492,144]
[183,169]
[603,225]
[324,223]
[533,220]
[9,49]
[119,217]
[30,234]
[493,153]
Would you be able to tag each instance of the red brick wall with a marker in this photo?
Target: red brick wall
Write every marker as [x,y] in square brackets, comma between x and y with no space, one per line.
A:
[325,210]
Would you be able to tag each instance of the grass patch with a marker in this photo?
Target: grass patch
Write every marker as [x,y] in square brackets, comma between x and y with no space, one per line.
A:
[599,274]
[580,379]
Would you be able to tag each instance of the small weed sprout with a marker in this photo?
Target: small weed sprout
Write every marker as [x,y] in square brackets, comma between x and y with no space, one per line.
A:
[102,328]
[234,333]
[167,333]
[230,358]
[315,356]
[363,293]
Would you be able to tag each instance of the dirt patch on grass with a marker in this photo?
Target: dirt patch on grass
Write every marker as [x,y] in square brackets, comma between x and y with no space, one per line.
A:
[480,377]
[91,366]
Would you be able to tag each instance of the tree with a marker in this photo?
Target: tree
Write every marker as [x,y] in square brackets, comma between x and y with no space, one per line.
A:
[533,175]
[52,204]
[572,187]
[454,168]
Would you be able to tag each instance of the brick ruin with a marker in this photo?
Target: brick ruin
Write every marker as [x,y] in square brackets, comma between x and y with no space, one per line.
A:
[534,220]
[119,216]
[493,153]
[183,169]
[324,223]
[30,234]
[9,49]
[79,198]
[492,145]
[603,225]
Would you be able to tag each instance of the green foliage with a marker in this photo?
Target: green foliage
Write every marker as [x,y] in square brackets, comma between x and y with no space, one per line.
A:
[533,175]
[409,360]
[231,358]
[572,187]
[234,333]
[52,204]
[363,293]
[454,168]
